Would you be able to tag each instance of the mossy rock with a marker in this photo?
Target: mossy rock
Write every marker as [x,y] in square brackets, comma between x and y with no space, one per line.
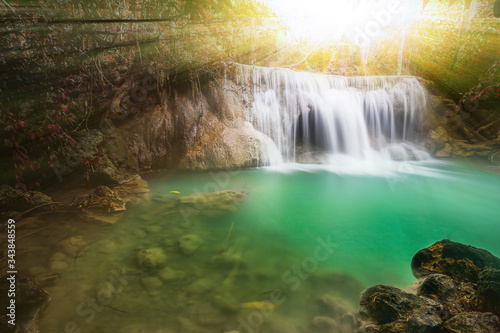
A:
[459,261]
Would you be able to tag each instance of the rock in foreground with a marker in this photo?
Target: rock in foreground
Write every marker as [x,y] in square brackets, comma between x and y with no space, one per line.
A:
[459,261]
[472,322]
[385,304]
[30,300]
[458,281]
[105,199]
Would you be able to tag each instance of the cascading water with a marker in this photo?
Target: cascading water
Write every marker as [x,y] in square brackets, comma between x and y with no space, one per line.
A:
[307,114]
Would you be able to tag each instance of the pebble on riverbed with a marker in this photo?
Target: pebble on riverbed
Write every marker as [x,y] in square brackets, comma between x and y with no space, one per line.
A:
[189,243]
[73,246]
[168,274]
[152,284]
[151,258]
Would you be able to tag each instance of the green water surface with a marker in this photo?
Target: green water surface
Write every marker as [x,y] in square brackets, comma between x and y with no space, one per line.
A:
[308,234]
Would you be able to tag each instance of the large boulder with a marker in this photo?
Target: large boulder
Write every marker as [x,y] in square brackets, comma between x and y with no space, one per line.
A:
[20,200]
[472,322]
[105,199]
[456,297]
[488,289]
[459,261]
[29,301]
[197,128]
[386,304]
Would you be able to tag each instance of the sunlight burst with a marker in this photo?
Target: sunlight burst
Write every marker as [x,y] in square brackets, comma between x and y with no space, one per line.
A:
[358,21]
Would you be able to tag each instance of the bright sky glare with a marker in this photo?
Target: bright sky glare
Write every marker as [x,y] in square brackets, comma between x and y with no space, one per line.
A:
[360,21]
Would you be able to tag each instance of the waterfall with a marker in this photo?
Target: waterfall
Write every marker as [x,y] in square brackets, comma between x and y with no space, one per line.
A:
[313,117]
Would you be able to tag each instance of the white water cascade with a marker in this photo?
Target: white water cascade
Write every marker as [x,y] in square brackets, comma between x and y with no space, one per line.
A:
[317,118]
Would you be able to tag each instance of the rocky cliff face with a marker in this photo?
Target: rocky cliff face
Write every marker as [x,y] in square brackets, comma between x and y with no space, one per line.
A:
[448,134]
[201,127]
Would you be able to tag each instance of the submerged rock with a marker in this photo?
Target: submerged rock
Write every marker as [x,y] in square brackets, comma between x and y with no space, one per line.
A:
[472,322]
[152,284]
[73,246]
[151,258]
[213,203]
[30,300]
[488,289]
[459,261]
[385,304]
[189,243]
[168,274]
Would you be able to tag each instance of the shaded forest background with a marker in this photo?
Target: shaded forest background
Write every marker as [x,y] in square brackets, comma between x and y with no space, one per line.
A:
[62,62]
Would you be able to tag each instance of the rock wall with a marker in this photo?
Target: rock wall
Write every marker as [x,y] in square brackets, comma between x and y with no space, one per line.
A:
[200,127]
[447,132]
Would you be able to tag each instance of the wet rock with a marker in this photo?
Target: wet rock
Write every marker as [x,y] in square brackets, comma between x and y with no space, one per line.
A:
[213,203]
[385,304]
[455,296]
[169,275]
[20,200]
[459,261]
[151,258]
[488,289]
[472,322]
[119,163]
[133,191]
[424,324]
[73,246]
[444,152]
[189,243]
[30,300]
[103,199]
